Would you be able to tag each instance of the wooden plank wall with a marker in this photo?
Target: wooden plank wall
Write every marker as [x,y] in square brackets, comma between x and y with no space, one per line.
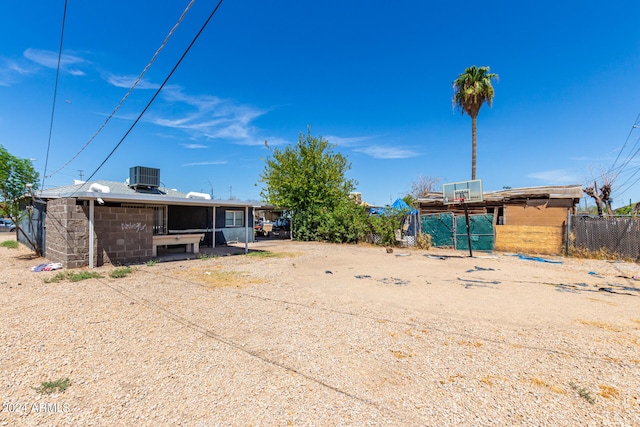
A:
[530,239]
[535,215]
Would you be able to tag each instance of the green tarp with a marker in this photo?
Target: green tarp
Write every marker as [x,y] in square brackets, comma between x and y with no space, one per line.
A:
[449,230]
[440,227]
[481,228]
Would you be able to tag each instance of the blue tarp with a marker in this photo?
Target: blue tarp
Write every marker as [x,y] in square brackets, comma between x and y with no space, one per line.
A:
[398,206]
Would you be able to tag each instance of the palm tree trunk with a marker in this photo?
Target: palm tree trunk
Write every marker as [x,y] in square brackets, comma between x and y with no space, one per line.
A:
[473,146]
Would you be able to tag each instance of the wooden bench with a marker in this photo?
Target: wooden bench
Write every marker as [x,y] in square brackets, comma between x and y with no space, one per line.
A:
[192,240]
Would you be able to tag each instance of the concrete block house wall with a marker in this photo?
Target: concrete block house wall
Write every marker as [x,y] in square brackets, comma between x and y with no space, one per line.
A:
[122,235]
[67,228]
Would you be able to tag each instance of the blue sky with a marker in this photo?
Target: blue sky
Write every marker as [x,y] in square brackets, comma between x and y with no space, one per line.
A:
[372,77]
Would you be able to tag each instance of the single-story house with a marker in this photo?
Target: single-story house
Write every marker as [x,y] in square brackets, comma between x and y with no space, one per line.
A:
[529,220]
[91,223]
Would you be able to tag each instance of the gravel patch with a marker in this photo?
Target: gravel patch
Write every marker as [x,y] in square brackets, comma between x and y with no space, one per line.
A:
[324,335]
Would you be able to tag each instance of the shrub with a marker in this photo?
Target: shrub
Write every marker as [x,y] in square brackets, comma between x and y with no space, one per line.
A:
[119,273]
[48,387]
[423,241]
[73,277]
[347,223]
[385,226]
[11,244]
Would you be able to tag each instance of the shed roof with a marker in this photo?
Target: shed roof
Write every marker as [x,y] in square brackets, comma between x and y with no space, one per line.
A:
[544,192]
[572,192]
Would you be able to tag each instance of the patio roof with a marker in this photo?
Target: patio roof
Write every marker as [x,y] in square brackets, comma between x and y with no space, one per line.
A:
[122,192]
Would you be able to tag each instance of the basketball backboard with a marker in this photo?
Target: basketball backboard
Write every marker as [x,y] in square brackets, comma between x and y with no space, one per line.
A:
[462,192]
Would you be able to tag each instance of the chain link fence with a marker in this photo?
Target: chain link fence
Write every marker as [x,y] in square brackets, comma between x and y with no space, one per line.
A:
[617,235]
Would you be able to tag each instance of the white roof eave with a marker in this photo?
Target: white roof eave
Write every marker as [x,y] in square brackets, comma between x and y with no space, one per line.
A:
[150,199]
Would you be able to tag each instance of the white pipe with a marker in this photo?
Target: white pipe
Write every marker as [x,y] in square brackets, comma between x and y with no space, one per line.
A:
[99,188]
[196,195]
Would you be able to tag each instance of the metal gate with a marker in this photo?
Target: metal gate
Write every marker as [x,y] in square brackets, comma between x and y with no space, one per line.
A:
[440,227]
[481,230]
[449,230]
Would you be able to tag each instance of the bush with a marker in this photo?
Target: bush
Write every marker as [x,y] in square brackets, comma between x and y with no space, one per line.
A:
[385,226]
[347,223]
[423,241]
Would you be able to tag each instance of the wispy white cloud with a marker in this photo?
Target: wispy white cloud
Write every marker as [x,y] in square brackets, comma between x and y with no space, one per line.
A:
[49,59]
[348,141]
[384,152]
[126,81]
[208,163]
[18,69]
[555,177]
[11,71]
[194,146]
[210,117]
[371,146]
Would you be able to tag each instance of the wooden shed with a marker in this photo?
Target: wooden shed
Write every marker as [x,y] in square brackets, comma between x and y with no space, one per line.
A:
[527,220]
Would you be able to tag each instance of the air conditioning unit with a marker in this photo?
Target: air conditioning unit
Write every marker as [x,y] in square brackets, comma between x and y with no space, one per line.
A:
[140,176]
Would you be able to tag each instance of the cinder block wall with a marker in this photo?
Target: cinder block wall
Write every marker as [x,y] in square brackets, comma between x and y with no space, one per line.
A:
[67,229]
[123,235]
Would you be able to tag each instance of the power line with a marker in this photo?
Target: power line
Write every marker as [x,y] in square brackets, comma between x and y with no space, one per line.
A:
[55,92]
[155,95]
[155,55]
[635,124]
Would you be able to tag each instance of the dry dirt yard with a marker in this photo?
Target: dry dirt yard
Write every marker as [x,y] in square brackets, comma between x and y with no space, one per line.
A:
[324,335]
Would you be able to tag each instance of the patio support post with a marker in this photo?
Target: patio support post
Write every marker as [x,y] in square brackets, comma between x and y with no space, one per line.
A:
[567,244]
[246,229]
[91,237]
[213,237]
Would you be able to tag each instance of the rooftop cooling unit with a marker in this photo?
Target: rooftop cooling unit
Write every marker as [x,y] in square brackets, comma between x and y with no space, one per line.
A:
[140,176]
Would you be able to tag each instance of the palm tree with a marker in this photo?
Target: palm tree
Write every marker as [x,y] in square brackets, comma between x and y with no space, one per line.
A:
[470,90]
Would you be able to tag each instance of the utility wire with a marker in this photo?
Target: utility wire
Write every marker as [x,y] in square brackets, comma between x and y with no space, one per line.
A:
[622,188]
[55,92]
[635,124]
[155,95]
[155,55]
[621,168]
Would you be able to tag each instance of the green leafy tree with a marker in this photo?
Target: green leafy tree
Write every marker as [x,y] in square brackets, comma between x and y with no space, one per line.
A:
[347,223]
[308,179]
[470,90]
[15,174]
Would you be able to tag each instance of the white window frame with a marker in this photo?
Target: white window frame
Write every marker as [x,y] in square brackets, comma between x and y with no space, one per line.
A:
[236,217]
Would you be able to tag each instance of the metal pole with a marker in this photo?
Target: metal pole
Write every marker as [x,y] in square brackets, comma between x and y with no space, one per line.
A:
[466,218]
[568,236]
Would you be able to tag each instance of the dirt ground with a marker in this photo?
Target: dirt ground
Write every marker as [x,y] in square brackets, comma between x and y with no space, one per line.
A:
[319,334]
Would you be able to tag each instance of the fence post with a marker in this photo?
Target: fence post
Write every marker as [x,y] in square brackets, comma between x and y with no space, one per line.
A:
[568,242]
